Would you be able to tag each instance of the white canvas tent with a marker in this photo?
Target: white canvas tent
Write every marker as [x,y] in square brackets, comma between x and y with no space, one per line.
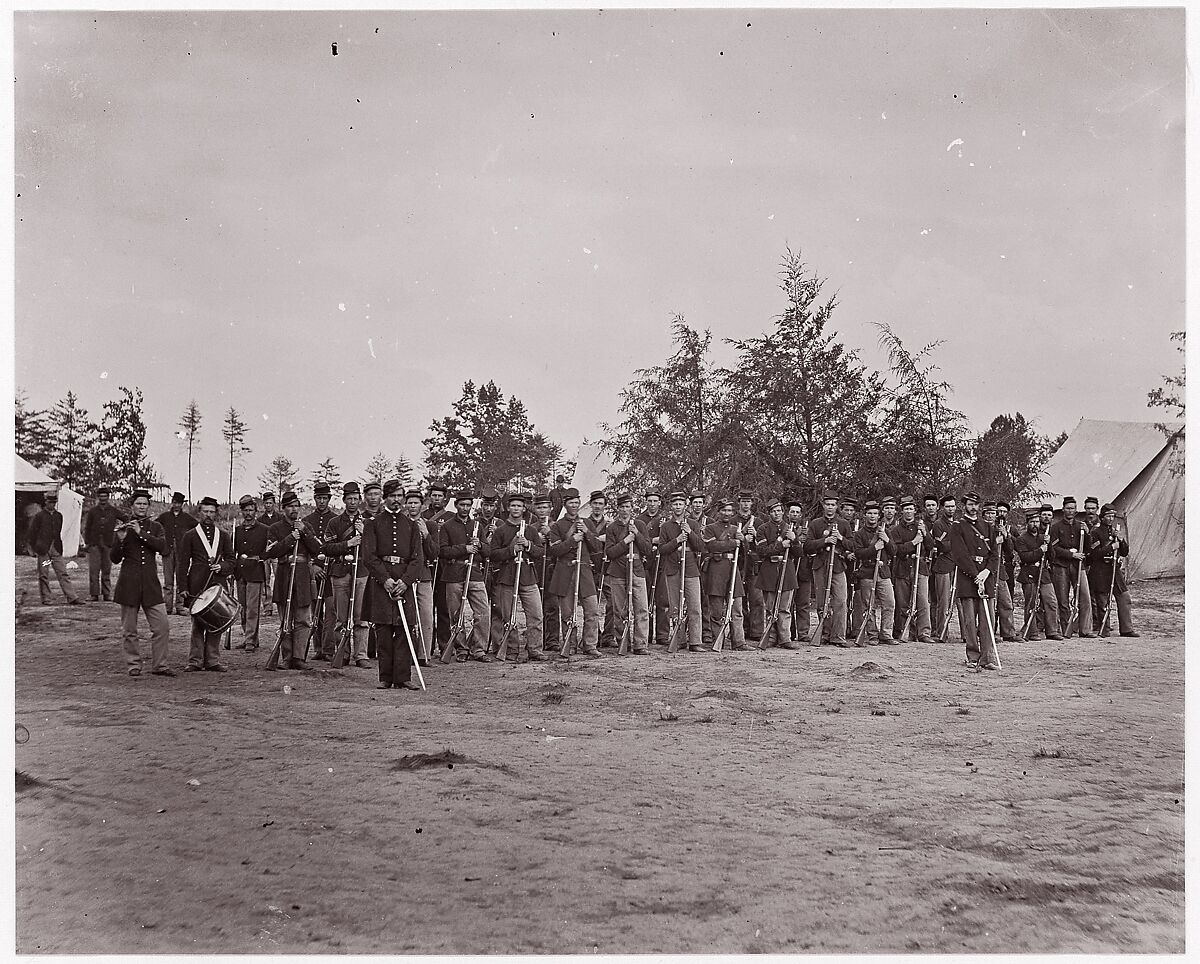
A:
[1129,465]
[27,478]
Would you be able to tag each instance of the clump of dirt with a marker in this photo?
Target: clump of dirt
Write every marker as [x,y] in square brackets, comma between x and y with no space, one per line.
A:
[871,670]
[447,759]
[554,693]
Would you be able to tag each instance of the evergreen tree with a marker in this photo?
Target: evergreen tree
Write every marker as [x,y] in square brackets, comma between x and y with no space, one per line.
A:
[280,476]
[189,431]
[234,432]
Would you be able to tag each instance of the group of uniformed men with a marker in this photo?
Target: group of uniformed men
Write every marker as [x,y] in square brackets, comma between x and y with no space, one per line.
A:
[399,567]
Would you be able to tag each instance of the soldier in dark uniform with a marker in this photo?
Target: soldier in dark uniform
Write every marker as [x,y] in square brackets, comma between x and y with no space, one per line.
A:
[911,586]
[1012,563]
[677,534]
[268,518]
[848,512]
[250,549]
[138,587]
[463,542]
[551,640]
[422,629]
[697,517]
[571,544]
[773,543]
[597,524]
[973,549]
[722,540]
[435,517]
[930,515]
[288,535]
[802,562]
[515,538]
[98,526]
[205,559]
[652,518]
[1069,562]
[175,523]
[557,498]
[45,539]
[1107,547]
[1003,611]
[1032,547]
[322,587]
[755,614]
[343,541]
[372,506]
[874,550]
[826,538]
[627,541]
[392,550]
[942,571]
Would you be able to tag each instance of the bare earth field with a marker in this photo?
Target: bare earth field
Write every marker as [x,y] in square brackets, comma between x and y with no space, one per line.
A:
[782,801]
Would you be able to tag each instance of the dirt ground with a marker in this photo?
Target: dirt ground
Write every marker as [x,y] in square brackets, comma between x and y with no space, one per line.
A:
[868,800]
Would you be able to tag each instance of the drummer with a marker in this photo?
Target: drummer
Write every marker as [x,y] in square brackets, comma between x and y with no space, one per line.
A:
[205,558]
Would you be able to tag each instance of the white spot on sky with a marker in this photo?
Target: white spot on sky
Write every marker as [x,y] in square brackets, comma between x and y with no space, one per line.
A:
[926,230]
[956,142]
[264,416]
[884,115]
[1130,287]
[1004,256]
[104,374]
[972,162]
[1022,132]
[341,306]
[587,250]
[770,217]
[371,347]
[595,267]
[731,160]
[858,219]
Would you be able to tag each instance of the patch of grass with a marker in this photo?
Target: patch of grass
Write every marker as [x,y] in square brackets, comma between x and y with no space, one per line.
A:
[963,711]
[1054,753]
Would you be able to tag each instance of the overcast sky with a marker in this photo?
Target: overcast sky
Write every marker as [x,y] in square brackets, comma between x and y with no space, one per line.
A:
[213,206]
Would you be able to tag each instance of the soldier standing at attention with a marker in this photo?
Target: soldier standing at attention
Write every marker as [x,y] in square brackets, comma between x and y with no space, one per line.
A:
[175,523]
[98,526]
[137,542]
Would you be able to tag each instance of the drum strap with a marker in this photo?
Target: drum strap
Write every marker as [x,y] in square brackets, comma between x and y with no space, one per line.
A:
[210,547]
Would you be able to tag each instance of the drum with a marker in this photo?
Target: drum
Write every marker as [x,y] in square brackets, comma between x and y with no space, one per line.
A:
[214,609]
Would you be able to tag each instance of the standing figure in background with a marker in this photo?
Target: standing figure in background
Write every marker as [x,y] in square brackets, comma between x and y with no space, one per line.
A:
[176,523]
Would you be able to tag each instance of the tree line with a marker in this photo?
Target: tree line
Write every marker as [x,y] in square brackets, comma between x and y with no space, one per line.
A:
[799,412]
[487,438]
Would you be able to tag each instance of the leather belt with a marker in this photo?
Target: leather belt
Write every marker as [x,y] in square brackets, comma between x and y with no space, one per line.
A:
[395,560]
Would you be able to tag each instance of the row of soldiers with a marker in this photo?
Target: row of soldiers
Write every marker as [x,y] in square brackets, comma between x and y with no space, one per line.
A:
[672,575]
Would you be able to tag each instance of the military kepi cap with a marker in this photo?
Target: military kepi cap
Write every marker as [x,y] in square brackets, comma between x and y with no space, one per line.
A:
[371,487]
[773,503]
[888,500]
[245,500]
[139,494]
[268,496]
[971,497]
[103,490]
[625,498]
[517,497]
[869,505]
[413,494]
[678,496]
[321,488]
[571,493]
[542,498]
[488,493]
[289,498]
[463,495]
[209,500]
[1107,507]
[1045,507]
[350,488]
[1068,500]
[598,496]
[907,500]
[391,487]
[829,496]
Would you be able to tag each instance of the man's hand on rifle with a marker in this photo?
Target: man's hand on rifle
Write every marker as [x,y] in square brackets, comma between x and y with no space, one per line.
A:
[395,587]
[354,541]
[629,538]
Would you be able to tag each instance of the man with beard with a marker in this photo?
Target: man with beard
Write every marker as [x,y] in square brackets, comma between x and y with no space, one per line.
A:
[678,535]
[138,587]
[292,534]
[652,518]
[206,557]
[175,523]
[249,550]
[391,548]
